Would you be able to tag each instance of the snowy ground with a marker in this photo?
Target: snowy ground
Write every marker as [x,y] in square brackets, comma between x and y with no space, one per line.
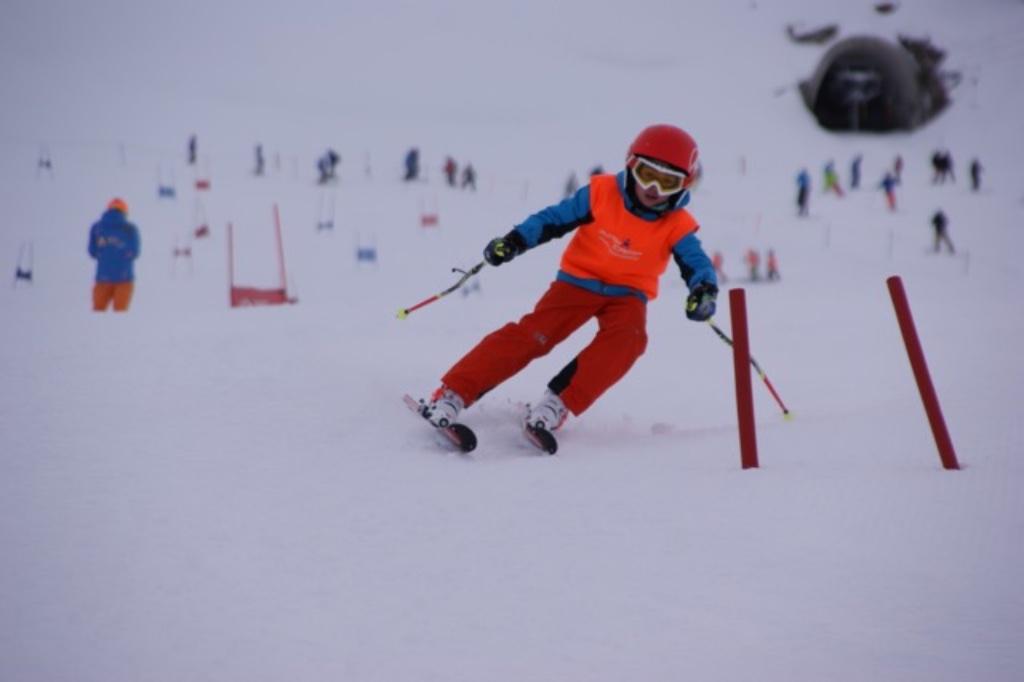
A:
[190,492]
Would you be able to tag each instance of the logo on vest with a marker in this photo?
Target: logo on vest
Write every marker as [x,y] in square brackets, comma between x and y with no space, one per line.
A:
[618,248]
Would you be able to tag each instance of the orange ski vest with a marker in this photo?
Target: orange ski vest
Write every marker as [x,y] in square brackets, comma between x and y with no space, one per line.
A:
[620,248]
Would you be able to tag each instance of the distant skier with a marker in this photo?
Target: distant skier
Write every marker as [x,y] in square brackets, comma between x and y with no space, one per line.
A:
[327,165]
[451,170]
[897,169]
[975,175]
[940,223]
[114,243]
[412,165]
[753,261]
[259,160]
[803,190]
[855,172]
[832,179]
[627,228]
[717,261]
[772,266]
[888,184]
[469,177]
[942,167]
[192,149]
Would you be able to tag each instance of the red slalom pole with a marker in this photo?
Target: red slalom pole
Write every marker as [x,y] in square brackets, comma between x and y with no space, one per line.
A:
[920,367]
[744,390]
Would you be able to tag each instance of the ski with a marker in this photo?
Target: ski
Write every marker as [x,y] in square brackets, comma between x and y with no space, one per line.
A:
[540,438]
[458,435]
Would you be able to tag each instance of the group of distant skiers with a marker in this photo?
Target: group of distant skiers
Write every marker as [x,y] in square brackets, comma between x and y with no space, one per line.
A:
[450,170]
[942,167]
[752,260]
[327,166]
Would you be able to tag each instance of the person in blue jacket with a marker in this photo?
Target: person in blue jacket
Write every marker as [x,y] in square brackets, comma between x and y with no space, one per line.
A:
[114,243]
[803,188]
[412,164]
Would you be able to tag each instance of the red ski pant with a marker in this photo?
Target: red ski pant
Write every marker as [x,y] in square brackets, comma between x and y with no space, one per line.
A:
[120,293]
[564,308]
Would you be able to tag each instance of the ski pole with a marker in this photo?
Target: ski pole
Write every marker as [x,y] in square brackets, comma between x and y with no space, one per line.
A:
[466,274]
[760,372]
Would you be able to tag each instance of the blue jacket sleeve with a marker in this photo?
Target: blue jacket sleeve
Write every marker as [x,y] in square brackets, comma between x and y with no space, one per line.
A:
[557,220]
[93,247]
[694,264]
[135,245]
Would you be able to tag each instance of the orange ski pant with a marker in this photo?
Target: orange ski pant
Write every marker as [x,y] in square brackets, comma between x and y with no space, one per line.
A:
[118,292]
[621,339]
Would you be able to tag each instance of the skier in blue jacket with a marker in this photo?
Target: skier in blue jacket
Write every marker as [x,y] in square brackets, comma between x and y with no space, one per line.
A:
[114,243]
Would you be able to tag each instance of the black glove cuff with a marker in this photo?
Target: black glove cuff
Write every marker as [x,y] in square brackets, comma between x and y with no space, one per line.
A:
[704,288]
[517,241]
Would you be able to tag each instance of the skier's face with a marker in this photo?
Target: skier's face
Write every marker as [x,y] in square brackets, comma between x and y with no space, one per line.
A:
[650,197]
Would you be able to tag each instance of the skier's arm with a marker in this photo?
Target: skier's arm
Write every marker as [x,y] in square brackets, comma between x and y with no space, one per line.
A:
[93,246]
[699,275]
[545,225]
[554,221]
[135,247]
[694,264]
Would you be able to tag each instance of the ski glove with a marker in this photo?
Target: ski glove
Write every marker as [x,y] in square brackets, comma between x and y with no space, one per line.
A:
[501,250]
[700,304]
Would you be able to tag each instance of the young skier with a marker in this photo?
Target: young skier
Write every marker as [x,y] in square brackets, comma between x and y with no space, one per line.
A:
[627,226]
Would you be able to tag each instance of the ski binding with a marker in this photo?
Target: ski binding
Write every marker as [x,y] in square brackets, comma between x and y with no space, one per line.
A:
[458,435]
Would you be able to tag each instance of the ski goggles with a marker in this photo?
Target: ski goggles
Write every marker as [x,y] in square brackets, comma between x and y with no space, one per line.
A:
[648,173]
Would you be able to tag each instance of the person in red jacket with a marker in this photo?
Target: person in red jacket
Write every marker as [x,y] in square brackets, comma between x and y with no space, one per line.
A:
[450,169]
[753,261]
[717,260]
[772,265]
[626,229]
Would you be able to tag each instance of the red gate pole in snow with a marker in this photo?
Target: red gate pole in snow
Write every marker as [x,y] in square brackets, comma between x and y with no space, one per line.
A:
[920,367]
[741,368]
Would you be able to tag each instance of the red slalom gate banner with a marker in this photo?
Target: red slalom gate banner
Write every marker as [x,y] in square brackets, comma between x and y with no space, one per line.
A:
[924,381]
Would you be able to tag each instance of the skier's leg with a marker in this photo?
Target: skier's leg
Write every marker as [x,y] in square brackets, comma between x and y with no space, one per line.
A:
[102,295]
[122,295]
[620,340]
[503,353]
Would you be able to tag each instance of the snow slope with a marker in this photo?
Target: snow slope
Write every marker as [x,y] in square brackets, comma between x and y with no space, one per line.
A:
[194,492]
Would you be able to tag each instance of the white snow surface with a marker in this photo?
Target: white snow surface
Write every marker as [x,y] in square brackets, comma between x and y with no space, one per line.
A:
[194,492]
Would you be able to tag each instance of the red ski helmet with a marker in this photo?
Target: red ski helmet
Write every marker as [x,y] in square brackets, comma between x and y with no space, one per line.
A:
[669,145]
